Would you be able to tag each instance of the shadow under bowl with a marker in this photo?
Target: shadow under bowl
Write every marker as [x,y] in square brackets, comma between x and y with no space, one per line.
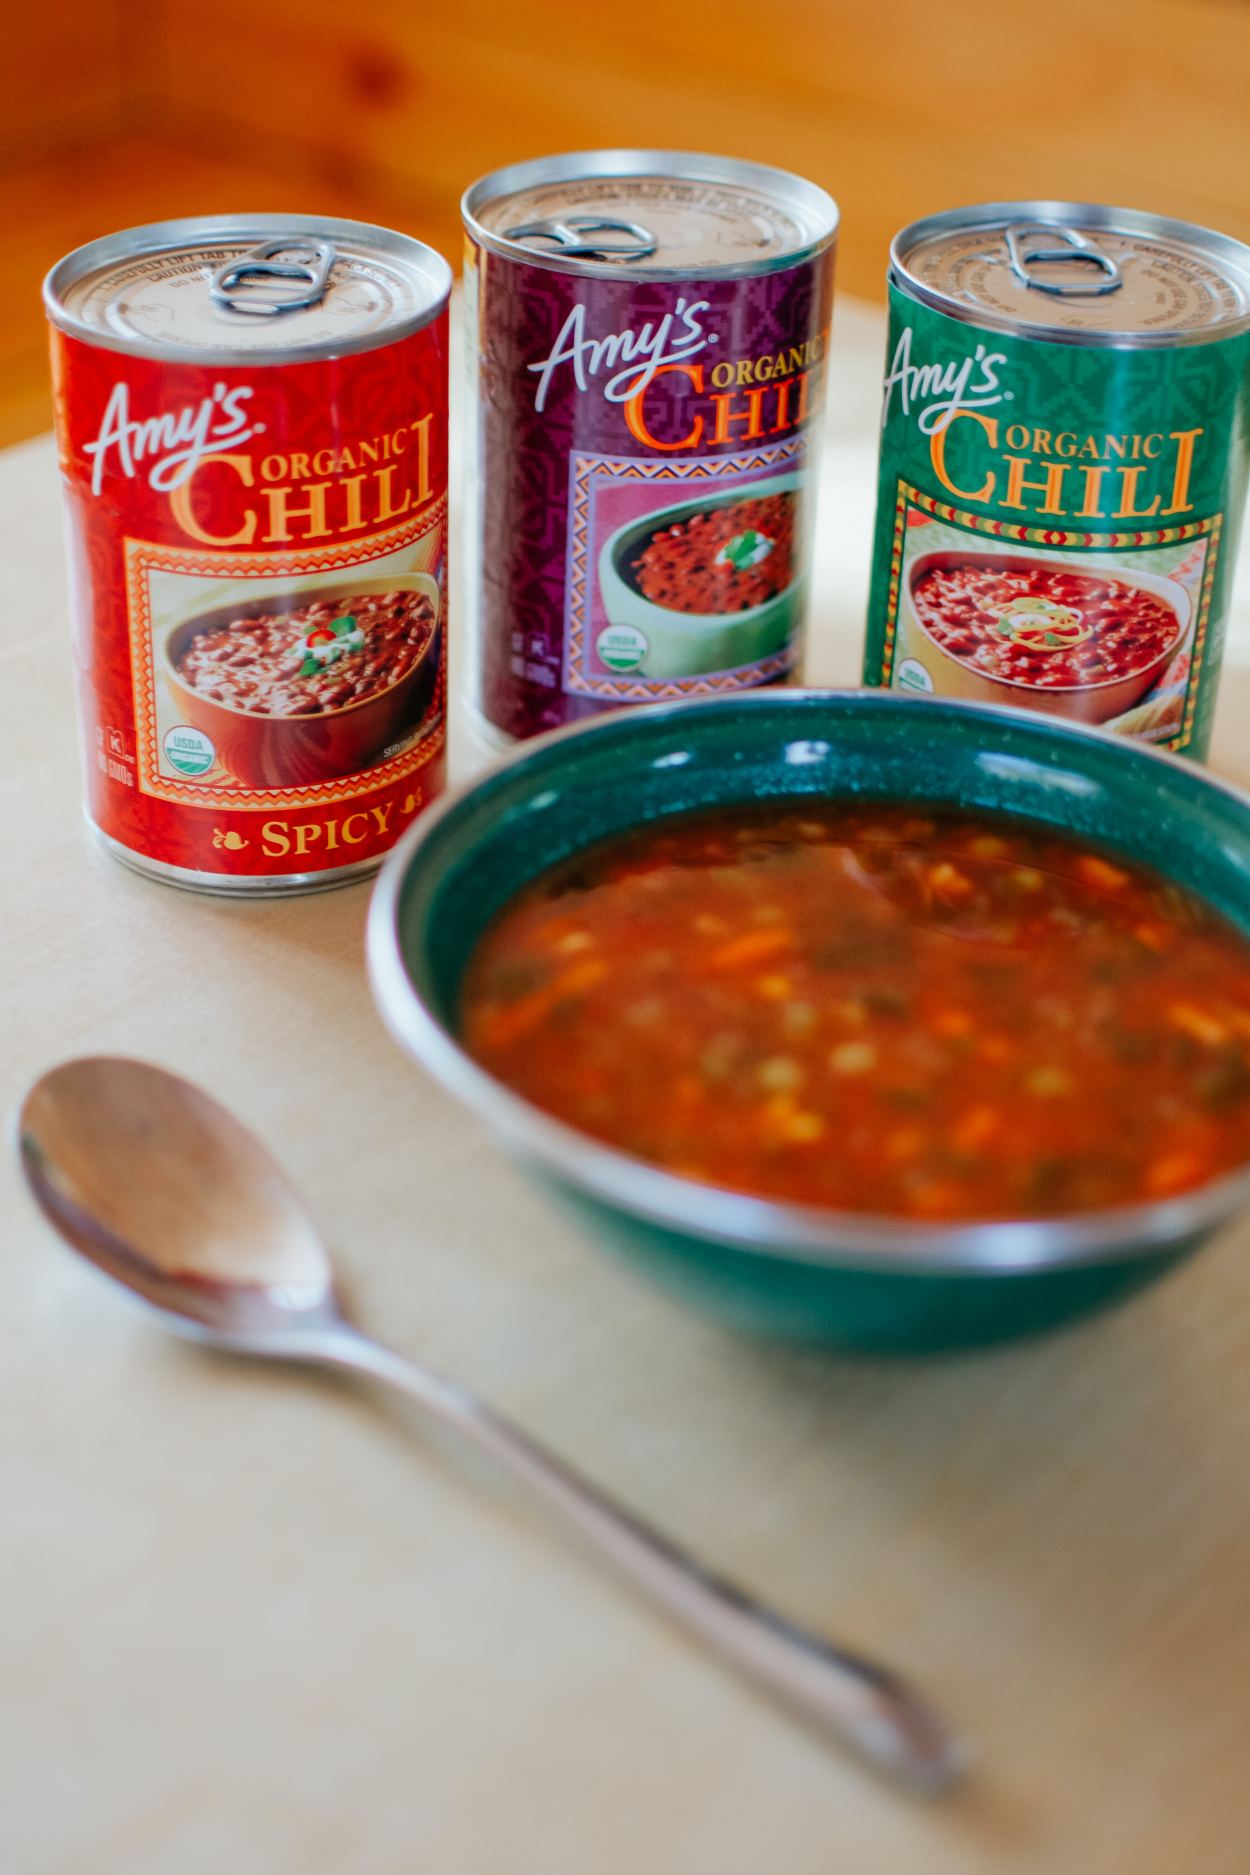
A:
[841,1278]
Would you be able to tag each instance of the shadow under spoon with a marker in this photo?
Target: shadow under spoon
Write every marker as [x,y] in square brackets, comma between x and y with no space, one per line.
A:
[170,1195]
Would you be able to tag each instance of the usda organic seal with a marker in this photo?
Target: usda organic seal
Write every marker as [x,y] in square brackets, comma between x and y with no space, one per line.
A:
[622,647]
[912,675]
[188,750]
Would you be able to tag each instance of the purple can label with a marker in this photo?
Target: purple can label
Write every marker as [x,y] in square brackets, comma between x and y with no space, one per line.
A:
[644,483]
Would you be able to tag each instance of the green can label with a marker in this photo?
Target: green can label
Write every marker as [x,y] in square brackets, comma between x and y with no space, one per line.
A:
[1057,523]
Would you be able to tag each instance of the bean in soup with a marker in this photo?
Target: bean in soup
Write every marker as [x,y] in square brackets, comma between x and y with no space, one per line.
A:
[878,1009]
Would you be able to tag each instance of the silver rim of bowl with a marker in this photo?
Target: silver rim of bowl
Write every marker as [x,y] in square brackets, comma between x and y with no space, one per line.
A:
[768,1227]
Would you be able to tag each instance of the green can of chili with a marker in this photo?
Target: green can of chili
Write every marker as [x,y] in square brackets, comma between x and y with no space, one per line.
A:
[1064,455]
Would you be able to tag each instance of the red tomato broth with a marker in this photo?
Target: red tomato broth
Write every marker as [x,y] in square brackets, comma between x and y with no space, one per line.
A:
[1107,628]
[878,1009]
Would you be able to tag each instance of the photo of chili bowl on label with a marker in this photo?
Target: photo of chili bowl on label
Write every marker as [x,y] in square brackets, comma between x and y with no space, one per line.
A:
[713,583]
[306,684]
[1039,631]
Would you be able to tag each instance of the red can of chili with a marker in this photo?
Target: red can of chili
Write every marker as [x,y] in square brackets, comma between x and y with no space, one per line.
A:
[252,426]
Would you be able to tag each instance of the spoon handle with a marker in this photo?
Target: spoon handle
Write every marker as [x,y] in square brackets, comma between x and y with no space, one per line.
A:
[859,1703]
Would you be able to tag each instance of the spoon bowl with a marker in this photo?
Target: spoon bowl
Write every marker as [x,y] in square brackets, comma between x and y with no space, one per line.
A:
[168,1193]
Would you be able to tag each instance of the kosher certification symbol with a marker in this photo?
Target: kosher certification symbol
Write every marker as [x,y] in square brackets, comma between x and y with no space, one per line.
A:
[188,750]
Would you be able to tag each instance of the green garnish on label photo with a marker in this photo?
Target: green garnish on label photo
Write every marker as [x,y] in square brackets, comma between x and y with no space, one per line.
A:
[745,550]
[330,642]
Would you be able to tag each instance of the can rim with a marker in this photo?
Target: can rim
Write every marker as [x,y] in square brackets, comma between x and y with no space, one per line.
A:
[1229,254]
[192,231]
[785,187]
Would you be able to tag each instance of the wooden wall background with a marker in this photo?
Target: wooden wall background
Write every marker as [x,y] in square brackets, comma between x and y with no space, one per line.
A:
[116,111]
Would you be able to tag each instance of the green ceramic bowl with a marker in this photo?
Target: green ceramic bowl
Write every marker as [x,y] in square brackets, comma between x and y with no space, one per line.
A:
[863,1281]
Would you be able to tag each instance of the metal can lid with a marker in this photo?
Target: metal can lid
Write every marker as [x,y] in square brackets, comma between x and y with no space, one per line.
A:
[1078,272]
[246,289]
[651,214]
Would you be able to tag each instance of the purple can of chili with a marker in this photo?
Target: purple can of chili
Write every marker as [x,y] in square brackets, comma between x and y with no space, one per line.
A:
[647,337]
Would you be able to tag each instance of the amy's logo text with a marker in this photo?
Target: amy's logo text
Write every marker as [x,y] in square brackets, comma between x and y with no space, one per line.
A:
[944,387]
[174,443]
[633,356]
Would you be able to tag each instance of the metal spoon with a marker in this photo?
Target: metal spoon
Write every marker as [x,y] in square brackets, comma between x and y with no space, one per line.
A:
[169,1194]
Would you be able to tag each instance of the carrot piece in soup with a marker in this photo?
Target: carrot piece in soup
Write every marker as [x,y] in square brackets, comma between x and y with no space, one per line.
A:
[512,1022]
[751,947]
[1101,873]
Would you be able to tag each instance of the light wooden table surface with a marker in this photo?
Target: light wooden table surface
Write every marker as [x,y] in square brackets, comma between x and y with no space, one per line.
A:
[250,1624]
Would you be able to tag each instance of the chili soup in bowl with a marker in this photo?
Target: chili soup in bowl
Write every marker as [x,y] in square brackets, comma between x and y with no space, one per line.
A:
[851,1017]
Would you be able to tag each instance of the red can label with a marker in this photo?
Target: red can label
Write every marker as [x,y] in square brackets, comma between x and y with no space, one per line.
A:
[258,586]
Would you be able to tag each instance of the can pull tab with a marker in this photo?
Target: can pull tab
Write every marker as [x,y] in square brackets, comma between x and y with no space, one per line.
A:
[1075,247]
[573,235]
[276,277]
